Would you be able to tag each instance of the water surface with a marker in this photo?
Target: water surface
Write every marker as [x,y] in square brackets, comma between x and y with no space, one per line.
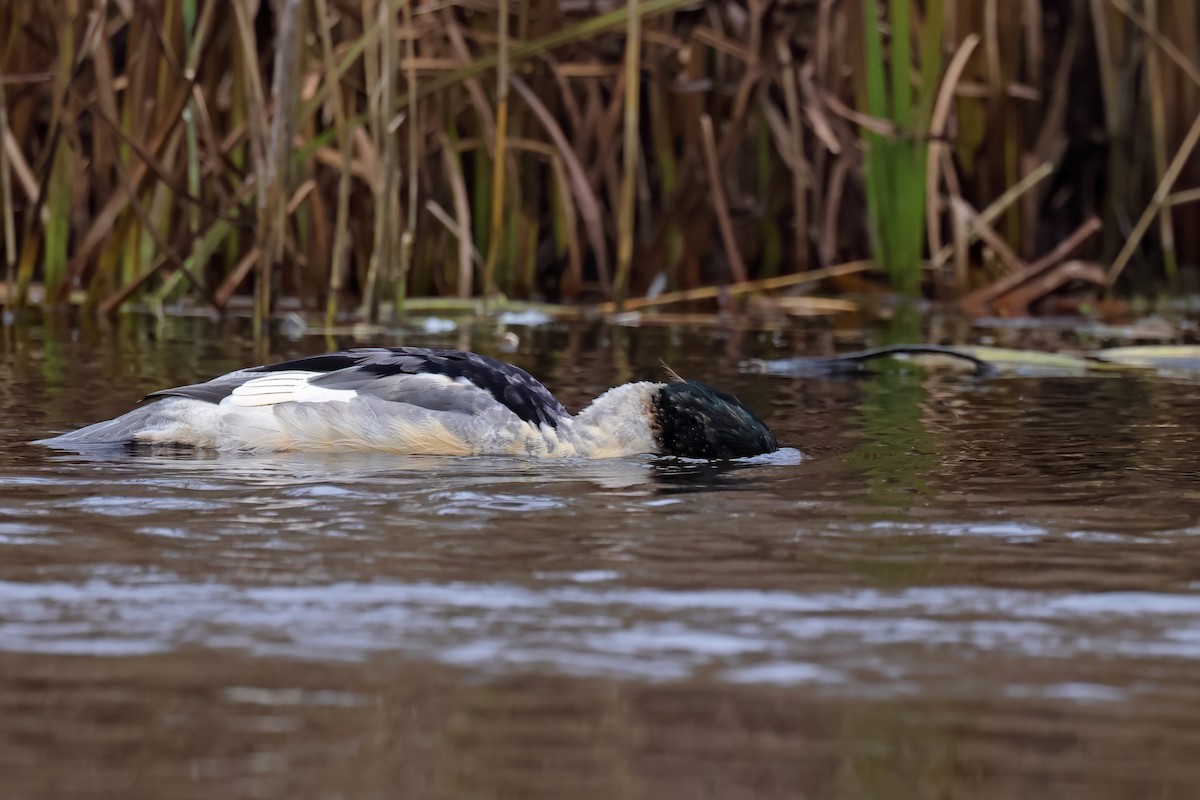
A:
[966,588]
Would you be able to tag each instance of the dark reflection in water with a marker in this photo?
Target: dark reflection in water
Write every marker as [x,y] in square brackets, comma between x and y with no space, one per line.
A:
[965,589]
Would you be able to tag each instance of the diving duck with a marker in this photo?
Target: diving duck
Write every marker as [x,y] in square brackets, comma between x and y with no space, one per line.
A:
[411,400]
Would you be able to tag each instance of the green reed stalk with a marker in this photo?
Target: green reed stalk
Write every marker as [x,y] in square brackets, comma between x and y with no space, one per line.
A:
[895,162]
[772,240]
[58,188]
[58,225]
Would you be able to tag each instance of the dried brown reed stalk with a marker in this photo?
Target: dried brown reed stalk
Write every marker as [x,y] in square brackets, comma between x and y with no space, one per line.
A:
[359,151]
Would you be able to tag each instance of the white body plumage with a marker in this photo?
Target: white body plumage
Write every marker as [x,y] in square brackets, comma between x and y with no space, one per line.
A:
[298,416]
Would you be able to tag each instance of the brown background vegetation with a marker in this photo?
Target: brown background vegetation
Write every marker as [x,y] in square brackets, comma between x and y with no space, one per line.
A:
[345,150]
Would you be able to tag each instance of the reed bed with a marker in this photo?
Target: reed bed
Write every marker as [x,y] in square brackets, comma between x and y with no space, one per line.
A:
[356,153]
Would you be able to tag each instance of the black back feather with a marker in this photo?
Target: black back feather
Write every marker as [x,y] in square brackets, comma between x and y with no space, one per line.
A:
[510,386]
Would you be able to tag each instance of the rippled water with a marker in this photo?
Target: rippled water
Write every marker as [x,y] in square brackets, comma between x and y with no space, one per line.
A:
[966,588]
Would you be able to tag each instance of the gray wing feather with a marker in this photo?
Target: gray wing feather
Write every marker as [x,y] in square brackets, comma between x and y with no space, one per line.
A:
[440,380]
[508,385]
[434,392]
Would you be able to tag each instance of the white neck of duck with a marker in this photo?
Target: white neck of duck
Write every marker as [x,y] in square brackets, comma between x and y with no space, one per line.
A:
[617,423]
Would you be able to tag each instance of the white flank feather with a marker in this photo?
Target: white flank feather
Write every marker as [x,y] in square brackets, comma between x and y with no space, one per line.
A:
[284,387]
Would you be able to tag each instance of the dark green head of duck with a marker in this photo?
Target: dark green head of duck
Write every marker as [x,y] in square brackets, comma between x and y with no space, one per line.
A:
[695,420]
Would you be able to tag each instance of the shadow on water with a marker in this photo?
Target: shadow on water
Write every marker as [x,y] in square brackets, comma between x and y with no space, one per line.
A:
[963,588]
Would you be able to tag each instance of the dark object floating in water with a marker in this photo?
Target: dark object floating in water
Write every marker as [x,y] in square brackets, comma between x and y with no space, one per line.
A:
[409,400]
[857,363]
[990,362]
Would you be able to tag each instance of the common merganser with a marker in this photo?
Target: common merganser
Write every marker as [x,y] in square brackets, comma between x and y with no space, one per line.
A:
[410,400]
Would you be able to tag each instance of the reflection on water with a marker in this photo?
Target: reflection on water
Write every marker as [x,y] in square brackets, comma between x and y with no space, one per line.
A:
[963,588]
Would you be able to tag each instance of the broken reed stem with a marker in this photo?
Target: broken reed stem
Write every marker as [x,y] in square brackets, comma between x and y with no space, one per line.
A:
[625,219]
[998,206]
[462,236]
[1011,261]
[389,70]
[6,201]
[937,147]
[1158,130]
[414,164]
[1068,245]
[283,93]
[744,287]
[976,302]
[1185,64]
[1182,198]
[799,167]
[340,257]
[1104,57]
[380,266]
[376,121]
[583,194]
[737,267]
[462,212]
[1161,194]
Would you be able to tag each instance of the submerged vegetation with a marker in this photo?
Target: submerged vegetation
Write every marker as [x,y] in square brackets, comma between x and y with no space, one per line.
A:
[355,153]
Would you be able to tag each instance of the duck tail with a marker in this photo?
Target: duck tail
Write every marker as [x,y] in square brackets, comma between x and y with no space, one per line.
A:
[119,431]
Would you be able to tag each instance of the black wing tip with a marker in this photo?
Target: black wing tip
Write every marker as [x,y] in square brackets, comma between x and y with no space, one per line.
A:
[204,392]
[326,362]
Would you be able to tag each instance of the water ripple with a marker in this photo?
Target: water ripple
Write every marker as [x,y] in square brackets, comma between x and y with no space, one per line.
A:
[588,629]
